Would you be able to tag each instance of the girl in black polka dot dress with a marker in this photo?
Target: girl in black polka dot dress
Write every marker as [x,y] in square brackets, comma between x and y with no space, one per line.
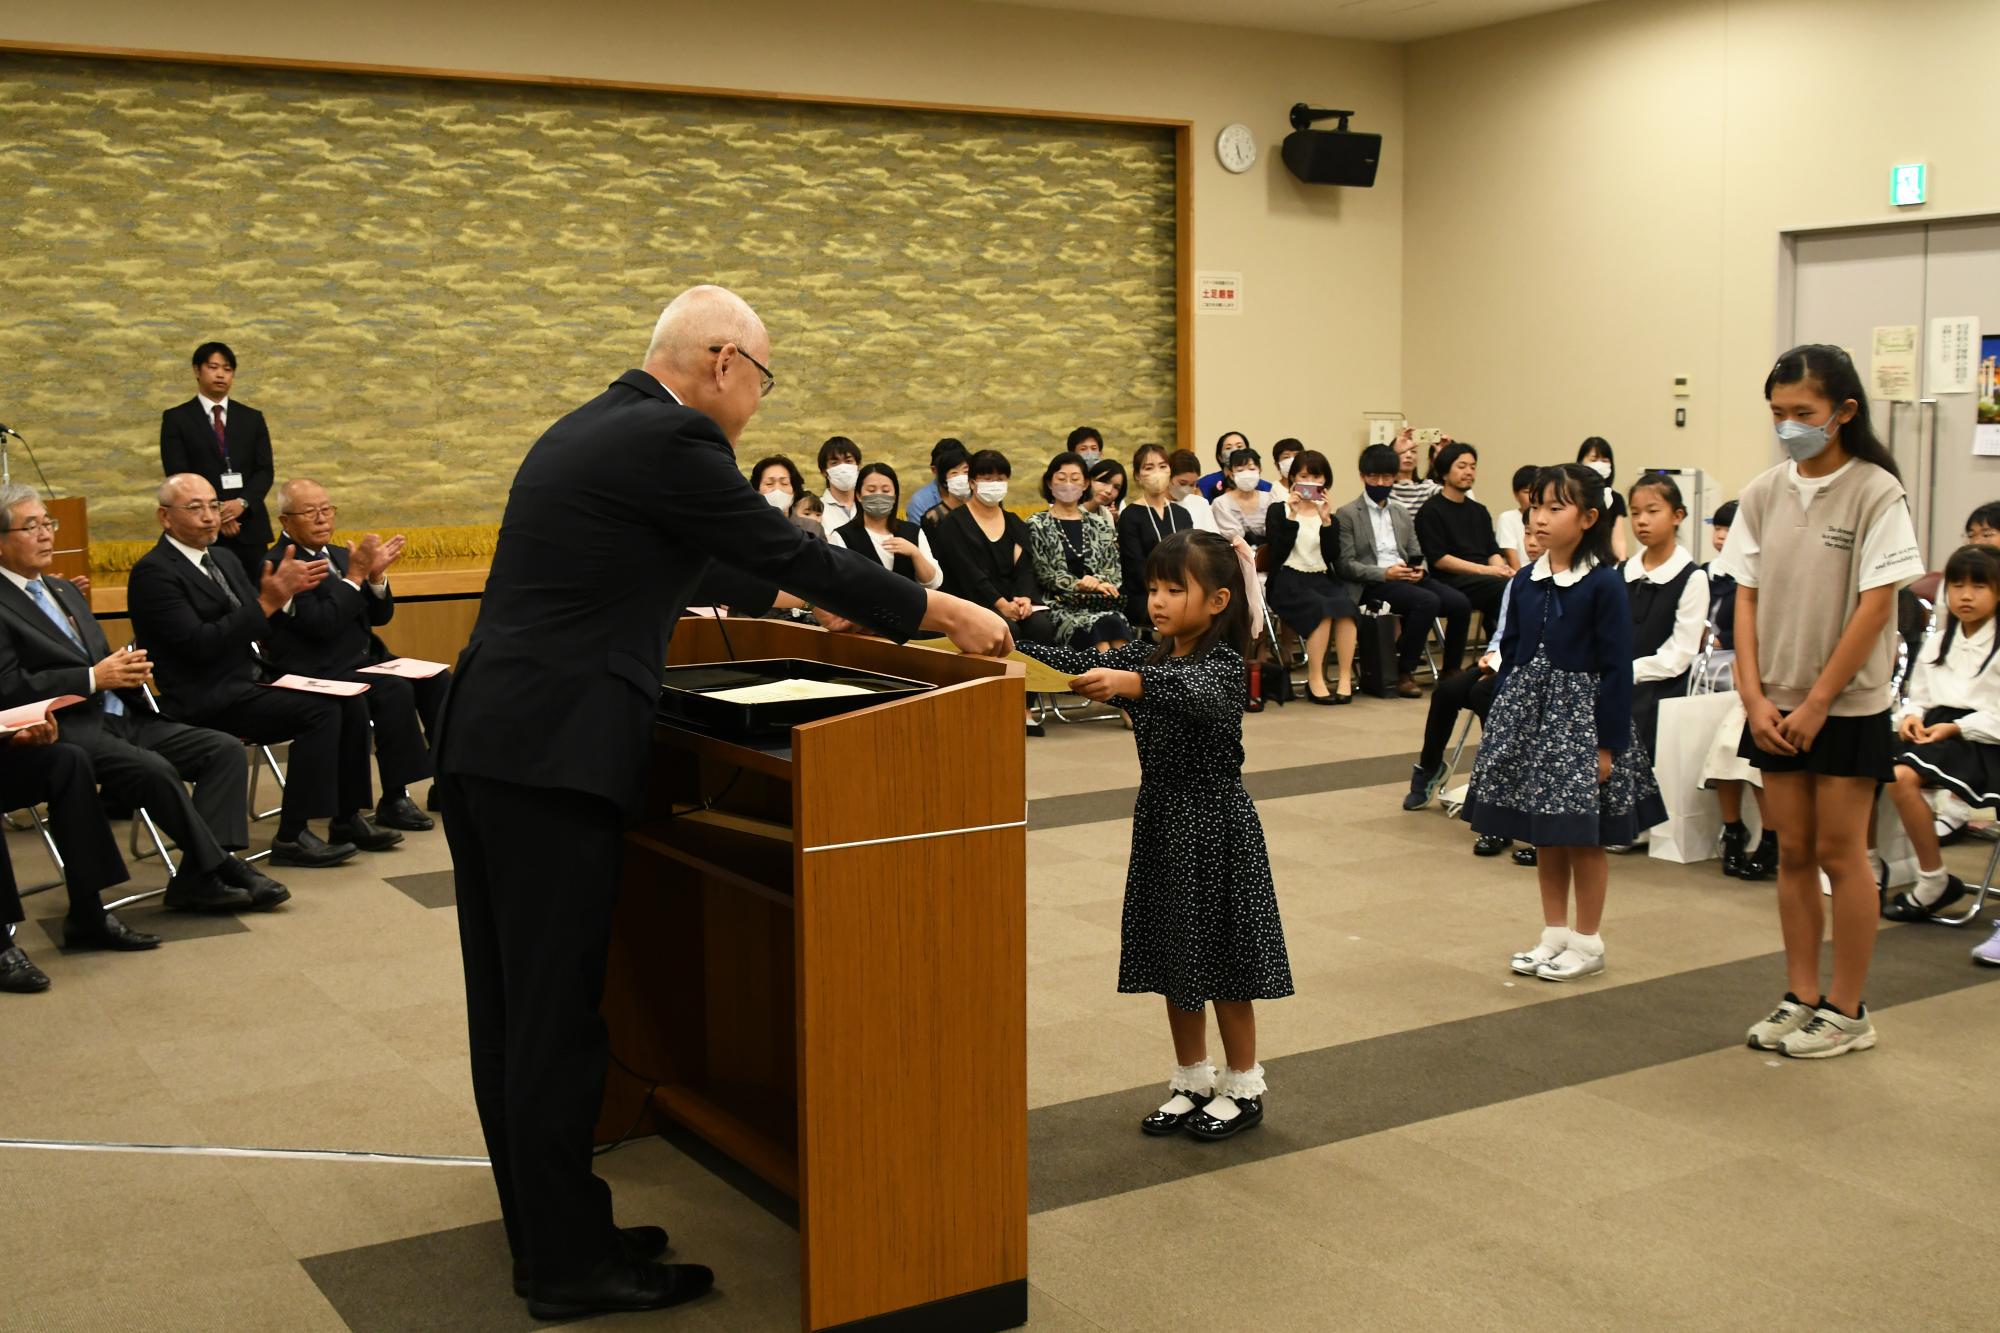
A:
[1201,915]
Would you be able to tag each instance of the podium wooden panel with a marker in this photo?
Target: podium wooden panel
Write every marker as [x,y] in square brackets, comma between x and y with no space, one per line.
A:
[72,537]
[825,974]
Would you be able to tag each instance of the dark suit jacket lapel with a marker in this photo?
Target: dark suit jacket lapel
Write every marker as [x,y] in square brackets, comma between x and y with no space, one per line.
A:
[185,570]
[17,604]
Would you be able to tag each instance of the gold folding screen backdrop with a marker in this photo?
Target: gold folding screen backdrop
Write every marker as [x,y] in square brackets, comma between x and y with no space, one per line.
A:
[418,275]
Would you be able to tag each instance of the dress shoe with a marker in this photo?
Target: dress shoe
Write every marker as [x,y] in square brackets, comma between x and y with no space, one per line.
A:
[1735,850]
[311,850]
[431,800]
[1526,856]
[1491,844]
[1763,863]
[358,829]
[1324,699]
[401,812]
[203,891]
[640,1245]
[264,891]
[1406,685]
[618,1284]
[109,933]
[1036,729]
[1250,1114]
[1343,699]
[18,974]
[1903,906]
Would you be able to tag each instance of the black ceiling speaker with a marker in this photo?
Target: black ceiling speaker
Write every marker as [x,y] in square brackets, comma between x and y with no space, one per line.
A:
[1330,157]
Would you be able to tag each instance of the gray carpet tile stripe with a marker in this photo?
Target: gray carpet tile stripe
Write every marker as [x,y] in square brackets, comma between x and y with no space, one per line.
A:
[1091,1148]
[1271,784]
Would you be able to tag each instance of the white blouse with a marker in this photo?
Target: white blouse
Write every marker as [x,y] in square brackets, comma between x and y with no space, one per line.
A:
[1690,616]
[1965,679]
[881,540]
[1241,513]
[1306,556]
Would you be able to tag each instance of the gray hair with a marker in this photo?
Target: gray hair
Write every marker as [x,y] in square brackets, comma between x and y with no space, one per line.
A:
[171,488]
[288,492]
[14,493]
[697,319]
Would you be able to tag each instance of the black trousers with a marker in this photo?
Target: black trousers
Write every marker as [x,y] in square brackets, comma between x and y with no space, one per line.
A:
[1484,591]
[1416,606]
[404,713]
[62,776]
[143,758]
[1470,688]
[326,772]
[537,873]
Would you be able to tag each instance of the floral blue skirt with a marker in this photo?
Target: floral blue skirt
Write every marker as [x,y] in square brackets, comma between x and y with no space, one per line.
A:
[1536,777]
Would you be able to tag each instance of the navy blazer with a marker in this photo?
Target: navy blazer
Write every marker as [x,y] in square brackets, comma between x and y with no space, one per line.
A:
[203,649]
[330,628]
[187,444]
[1585,627]
[623,514]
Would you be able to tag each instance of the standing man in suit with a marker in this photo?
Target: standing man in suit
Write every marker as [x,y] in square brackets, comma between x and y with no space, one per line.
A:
[624,513]
[50,645]
[202,622]
[329,631]
[33,769]
[227,442]
[1382,561]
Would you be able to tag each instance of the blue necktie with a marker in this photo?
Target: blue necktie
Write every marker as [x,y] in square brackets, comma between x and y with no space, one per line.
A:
[38,592]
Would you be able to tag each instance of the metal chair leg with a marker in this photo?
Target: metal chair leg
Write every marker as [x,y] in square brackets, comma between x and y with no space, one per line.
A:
[41,826]
[277,775]
[1986,886]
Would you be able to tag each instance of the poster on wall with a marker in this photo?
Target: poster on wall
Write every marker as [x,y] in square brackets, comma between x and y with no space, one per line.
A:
[1954,354]
[1986,434]
[1892,363]
[1218,293]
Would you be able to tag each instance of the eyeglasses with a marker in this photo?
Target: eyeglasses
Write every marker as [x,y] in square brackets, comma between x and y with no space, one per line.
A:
[316,513]
[39,525]
[198,507]
[770,381]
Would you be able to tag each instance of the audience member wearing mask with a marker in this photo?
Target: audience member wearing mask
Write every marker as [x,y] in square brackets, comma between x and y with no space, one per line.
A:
[1595,454]
[779,481]
[952,468]
[1218,481]
[1086,443]
[931,492]
[899,544]
[1184,488]
[984,550]
[1382,562]
[1284,456]
[1105,495]
[1240,510]
[1145,523]
[1076,561]
[840,464]
[1304,590]
[1456,533]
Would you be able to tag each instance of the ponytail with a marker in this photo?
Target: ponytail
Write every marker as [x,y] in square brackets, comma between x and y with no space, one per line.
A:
[1831,370]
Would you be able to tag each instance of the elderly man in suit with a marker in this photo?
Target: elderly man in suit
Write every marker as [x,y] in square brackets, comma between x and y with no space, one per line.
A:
[625,512]
[202,621]
[51,645]
[329,631]
[213,436]
[1381,561]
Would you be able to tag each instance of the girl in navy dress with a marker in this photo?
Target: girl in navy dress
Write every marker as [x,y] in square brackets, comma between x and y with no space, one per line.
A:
[1201,914]
[1559,768]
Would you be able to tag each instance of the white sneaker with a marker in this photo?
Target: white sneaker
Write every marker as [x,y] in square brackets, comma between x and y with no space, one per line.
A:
[1569,965]
[1554,940]
[1829,1033]
[1787,1018]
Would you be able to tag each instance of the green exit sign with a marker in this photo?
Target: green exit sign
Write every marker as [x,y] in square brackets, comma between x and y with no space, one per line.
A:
[1906,184]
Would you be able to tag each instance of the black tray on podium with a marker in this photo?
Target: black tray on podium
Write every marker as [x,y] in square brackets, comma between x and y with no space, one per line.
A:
[687,694]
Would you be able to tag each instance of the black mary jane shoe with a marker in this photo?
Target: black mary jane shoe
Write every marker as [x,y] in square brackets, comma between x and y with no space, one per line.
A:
[1526,856]
[1202,1125]
[1735,853]
[1761,864]
[1902,907]
[1164,1122]
[1491,844]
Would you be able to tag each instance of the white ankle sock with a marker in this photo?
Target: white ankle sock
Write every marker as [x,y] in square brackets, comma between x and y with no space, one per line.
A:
[1555,937]
[1590,945]
[1930,885]
[1190,1086]
[1234,1083]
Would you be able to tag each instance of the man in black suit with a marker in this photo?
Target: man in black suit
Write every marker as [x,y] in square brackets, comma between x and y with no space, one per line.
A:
[34,769]
[201,622]
[624,513]
[51,645]
[329,631]
[227,442]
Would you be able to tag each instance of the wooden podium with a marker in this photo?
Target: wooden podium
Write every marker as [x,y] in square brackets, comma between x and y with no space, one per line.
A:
[825,973]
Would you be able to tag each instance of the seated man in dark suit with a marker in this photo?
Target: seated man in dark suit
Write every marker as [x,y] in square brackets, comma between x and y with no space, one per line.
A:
[1382,561]
[329,631]
[50,645]
[33,769]
[202,621]
[227,442]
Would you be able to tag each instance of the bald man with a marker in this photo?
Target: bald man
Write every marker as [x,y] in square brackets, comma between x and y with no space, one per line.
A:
[624,513]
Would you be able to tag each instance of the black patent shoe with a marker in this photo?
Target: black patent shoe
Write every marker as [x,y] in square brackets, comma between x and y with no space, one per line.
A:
[109,933]
[1205,1126]
[1526,856]
[1762,863]
[640,1244]
[1491,844]
[620,1285]
[1735,852]
[18,973]
[1903,907]
[1164,1122]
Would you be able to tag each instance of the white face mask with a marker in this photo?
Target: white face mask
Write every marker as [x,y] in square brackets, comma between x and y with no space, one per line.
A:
[1285,464]
[991,492]
[1089,457]
[1246,480]
[1066,494]
[842,476]
[1600,467]
[1179,490]
[958,485]
[779,500]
